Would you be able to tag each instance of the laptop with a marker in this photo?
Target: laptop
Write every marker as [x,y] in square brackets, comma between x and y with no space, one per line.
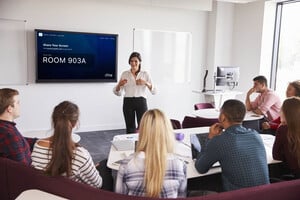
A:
[198,141]
[124,145]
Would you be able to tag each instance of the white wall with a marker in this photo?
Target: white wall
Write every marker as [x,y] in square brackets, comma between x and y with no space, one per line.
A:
[229,34]
[220,37]
[247,42]
[100,109]
[235,38]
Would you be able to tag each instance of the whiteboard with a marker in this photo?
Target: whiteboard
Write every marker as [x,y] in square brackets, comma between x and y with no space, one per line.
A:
[13,52]
[166,55]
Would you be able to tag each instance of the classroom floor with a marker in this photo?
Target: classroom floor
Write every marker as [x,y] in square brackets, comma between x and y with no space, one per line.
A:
[98,142]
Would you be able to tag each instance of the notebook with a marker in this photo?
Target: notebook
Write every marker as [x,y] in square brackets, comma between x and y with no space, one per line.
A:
[198,141]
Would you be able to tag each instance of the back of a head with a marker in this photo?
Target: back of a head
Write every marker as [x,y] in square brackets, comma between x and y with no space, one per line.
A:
[66,113]
[234,110]
[296,85]
[291,111]
[156,139]
[155,129]
[64,119]
[261,80]
[6,98]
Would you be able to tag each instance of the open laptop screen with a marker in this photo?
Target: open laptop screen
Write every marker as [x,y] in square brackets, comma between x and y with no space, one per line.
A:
[197,143]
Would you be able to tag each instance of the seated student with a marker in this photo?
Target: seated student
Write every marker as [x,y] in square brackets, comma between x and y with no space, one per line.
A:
[293,89]
[153,171]
[59,155]
[12,144]
[287,140]
[240,151]
[267,103]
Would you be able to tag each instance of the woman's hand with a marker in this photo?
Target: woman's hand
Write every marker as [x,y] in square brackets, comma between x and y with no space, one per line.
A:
[122,82]
[141,82]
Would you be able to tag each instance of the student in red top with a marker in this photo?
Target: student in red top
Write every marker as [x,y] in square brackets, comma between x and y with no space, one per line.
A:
[293,89]
[12,144]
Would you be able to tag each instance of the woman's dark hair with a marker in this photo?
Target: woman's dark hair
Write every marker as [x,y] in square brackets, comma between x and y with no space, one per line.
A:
[138,56]
[291,112]
[64,119]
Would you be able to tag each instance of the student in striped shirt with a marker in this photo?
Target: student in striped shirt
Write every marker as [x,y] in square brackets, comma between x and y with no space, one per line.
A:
[59,155]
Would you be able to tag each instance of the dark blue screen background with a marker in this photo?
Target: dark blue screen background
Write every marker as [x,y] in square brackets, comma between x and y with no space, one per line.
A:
[76,57]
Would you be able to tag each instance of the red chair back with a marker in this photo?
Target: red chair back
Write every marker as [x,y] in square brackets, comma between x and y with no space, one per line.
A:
[191,122]
[176,124]
[198,106]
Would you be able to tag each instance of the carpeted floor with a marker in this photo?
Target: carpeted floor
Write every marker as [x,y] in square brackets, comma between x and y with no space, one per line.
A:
[98,142]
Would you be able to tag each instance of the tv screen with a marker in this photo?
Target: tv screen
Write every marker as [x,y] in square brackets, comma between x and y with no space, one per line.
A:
[64,56]
[227,75]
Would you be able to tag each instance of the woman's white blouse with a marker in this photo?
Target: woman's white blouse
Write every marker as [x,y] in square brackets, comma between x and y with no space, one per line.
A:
[131,89]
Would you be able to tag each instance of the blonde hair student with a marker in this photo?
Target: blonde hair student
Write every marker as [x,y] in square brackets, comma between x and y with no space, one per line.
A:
[153,170]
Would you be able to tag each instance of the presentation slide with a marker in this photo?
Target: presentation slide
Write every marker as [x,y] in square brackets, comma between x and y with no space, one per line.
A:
[75,56]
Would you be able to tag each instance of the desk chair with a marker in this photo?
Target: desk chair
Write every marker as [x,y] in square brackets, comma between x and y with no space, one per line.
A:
[176,124]
[198,106]
[191,122]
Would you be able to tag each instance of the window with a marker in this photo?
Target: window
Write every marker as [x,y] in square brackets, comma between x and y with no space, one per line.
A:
[286,49]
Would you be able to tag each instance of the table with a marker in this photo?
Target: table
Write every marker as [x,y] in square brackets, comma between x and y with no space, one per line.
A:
[251,119]
[213,113]
[217,98]
[183,151]
[34,194]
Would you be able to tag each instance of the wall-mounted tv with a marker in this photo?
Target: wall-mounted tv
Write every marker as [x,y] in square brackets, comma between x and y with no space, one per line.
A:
[65,56]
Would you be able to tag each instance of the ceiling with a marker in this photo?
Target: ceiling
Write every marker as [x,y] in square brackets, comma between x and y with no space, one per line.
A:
[239,1]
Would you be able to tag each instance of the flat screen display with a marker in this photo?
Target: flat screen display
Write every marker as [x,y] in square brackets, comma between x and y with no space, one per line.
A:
[227,75]
[65,56]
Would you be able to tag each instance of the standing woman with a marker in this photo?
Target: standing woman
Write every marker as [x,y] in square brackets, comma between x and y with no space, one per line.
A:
[134,82]
[287,140]
[153,170]
[59,155]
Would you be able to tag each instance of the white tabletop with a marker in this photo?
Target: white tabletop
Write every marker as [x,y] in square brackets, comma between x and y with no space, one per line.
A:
[183,150]
[213,113]
[34,194]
